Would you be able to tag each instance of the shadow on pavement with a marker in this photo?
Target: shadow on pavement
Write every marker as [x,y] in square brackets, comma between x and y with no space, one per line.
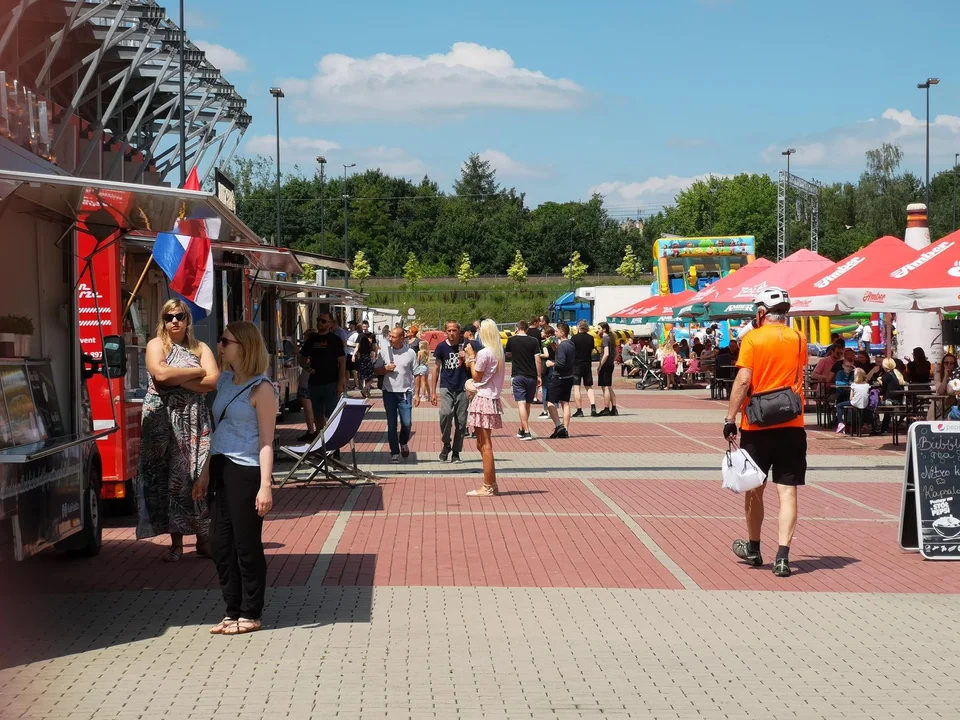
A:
[812,563]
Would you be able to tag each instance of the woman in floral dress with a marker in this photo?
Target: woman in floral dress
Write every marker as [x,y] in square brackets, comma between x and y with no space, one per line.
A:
[176,433]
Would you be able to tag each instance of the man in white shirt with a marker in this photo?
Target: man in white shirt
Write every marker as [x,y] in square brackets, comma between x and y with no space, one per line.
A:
[395,363]
[353,337]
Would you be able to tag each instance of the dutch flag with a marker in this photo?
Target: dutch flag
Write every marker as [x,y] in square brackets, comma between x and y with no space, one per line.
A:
[186,258]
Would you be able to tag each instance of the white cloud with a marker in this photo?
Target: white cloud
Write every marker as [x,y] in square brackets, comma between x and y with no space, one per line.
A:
[223,58]
[468,77]
[844,147]
[508,167]
[652,192]
[301,151]
[194,20]
[393,161]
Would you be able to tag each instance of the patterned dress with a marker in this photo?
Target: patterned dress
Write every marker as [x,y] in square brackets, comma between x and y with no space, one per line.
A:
[175,445]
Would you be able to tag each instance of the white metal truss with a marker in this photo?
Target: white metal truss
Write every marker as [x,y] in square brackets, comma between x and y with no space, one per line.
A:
[115,64]
[807,197]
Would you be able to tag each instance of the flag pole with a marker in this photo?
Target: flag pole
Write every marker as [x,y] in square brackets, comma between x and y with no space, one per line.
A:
[136,288]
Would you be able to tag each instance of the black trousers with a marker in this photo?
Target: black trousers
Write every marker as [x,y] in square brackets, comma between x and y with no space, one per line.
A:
[236,536]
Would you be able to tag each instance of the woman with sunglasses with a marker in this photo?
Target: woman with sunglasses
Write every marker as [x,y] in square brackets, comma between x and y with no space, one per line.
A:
[175,433]
[241,475]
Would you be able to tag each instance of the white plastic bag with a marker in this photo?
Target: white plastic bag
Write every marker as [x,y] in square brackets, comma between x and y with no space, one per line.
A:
[740,472]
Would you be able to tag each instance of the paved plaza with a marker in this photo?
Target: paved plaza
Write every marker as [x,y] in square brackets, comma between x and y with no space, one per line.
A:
[600,584]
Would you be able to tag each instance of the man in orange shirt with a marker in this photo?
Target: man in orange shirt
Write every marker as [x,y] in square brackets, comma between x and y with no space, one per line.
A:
[772,356]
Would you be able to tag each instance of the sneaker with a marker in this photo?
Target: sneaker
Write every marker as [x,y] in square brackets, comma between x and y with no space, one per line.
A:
[556,432]
[484,491]
[395,458]
[594,413]
[742,551]
[603,413]
[520,434]
[781,568]
[562,433]
[404,451]
[306,437]
[544,414]
[526,436]
[444,454]
[840,428]
[455,458]
[614,412]
[578,413]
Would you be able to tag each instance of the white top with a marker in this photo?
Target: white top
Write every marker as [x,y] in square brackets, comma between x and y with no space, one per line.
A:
[401,379]
[352,342]
[744,329]
[860,395]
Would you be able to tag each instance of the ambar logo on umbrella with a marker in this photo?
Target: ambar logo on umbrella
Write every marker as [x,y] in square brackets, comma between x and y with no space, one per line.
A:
[877,297]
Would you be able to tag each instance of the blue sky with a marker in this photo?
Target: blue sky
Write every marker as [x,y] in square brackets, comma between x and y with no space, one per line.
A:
[635,99]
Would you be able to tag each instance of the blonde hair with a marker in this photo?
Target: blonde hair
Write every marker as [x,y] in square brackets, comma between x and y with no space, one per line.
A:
[859,376]
[253,351]
[490,337]
[889,364]
[174,305]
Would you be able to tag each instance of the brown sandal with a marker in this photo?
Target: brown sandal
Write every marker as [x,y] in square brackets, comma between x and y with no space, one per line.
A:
[242,627]
[221,626]
[173,554]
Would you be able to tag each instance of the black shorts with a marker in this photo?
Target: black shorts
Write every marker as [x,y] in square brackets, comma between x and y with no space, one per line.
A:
[559,389]
[605,375]
[583,374]
[350,365]
[782,449]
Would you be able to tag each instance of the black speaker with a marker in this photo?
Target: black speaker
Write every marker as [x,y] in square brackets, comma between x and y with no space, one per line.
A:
[951,332]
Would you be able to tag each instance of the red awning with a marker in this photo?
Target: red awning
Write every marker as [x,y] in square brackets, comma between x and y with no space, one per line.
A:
[696,305]
[819,294]
[652,306]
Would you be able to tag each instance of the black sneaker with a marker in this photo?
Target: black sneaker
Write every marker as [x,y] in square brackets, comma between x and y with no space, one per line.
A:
[544,414]
[594,413]
[455,458]
[562,433]
[578,413]
[742,551]
[603,413]
[781,568]
[444,454]
[525,436]
[556,432]
[520,433]
[306,437]
[614,412]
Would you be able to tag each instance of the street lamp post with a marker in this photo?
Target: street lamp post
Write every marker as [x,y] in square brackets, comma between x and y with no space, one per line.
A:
[346,226]
[323,234]
[926,86]
[183,100]
[786,204]
[278,93]
[956,161]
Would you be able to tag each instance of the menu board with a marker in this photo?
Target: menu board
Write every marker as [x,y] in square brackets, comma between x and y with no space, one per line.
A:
[45,400]
[930,503]
[21,412]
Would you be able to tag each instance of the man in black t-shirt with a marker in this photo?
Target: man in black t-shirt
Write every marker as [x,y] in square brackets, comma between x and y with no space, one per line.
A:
[324,356]
[527,369]
[583,367]
[535,330]
[450,372]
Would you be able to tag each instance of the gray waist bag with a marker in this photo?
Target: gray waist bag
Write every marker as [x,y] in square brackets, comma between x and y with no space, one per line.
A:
[775,407]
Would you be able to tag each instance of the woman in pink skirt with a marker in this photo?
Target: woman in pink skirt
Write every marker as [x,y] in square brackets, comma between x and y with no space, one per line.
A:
[485,411]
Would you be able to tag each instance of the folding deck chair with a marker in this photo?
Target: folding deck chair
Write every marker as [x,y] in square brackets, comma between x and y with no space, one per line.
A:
[340,430]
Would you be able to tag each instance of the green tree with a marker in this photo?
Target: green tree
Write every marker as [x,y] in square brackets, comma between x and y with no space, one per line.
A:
[465,271]
[518,270]
[630,268]
[309,272]
[477,177]
[361,268]
[576,269]
[412,273]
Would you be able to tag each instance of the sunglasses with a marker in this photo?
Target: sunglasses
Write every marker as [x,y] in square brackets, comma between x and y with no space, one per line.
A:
[170,317]
[223,340]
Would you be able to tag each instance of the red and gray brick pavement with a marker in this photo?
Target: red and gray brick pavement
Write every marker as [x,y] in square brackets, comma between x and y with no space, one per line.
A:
[599,584]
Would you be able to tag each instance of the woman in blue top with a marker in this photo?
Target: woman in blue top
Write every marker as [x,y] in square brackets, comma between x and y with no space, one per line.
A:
[241,475]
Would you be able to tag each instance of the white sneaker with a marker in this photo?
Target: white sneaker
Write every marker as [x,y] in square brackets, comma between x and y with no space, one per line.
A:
[395,458]
[840,428]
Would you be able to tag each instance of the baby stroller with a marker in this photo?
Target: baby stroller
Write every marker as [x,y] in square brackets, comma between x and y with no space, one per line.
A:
[650,376]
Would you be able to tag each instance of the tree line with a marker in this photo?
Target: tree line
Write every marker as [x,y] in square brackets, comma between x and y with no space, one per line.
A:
[415,229]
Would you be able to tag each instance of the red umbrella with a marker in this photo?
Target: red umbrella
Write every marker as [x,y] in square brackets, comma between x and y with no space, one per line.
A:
[818,294]
[737,300]
[650,307]
[696,305]
[930,280]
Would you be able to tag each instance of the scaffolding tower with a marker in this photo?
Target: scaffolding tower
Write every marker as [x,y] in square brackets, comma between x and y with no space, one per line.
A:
[807,197]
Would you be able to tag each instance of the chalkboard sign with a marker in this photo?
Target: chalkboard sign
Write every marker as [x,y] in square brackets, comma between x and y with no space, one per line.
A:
[930,503]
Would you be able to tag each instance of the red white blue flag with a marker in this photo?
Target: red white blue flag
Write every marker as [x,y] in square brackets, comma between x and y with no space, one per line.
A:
[186,258]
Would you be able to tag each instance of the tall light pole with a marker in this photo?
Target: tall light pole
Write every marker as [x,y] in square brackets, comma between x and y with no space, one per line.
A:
[323,235]
[956,161]
[786,203]
[926,86]
[183,100]
[346,226]
[278,93]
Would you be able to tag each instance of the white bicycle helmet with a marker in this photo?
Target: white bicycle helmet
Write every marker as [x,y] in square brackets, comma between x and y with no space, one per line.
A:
[773,299]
